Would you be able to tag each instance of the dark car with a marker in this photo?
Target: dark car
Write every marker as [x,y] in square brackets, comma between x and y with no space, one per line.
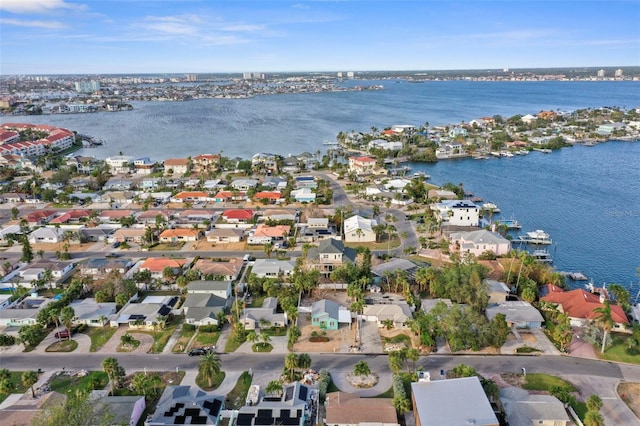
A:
[200,351]
[63,334]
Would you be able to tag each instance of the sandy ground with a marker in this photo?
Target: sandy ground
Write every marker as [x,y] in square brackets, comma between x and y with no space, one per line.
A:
[53,247]
[338,339]
[630,394]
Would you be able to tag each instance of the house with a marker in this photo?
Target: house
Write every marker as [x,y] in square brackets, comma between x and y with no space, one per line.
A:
[269,197]
[187,405]
[23,410]
[96,234]
[152,217]
[23,313]
[91,313]
[264,317]
[359,229]
[114,216]
[478,242]
[273,268]
[264,234]
[176,166]
[97,266]
[150,183]
[179,235]
[385,145]
[306,182]
[238,215]
[329,255]
[396,264]
[498,291]
[226,196]
[204,163]
[59,269]
[143,166]
[129,235]
[221,289]
[146,314]
[362,165]
[193,217]
[451,402]
[279,214]
[523,409]
[119,164]
[399,314]
[70,217]
[518,314]
[10,232]
[114,184]
[328,315]
[40,217]
[292,407]
[228,270]
[457,212]
[265,161]
[126,410]
[156,265]
[274,182]
[303,195]
[46,235]
[190,197]
[225,235]
[244,184]
[318,223]
[579,305]
[349,409]
[442,194]
[203,308]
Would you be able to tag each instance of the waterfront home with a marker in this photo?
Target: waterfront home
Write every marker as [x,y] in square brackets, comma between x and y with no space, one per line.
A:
[359,229]
[176,166]
[143,166]
[187,405]
[607,129]
[442,194]
[385,145]
[528,119]
[460,401]
[265,161]
[518,314]
[238,215]
[263,317]
[226,270]
[273,268]
[179,235]
[580,306]
[362,165]
[205,163]
[479,242]
[83,164]
[457,212]
[119,164]
[348,409]
[157,265]
[225,235]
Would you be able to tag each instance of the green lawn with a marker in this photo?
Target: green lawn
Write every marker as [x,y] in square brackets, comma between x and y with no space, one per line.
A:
[92,381]
[62,346]
[167,246]
[161,337]
[400,338]
[99,336]
[238,395]
[16,379]
[619,351]
[233,343]
[542,382]
[186,333]
[204,384]
[262,347]
[207,339]
[384,245]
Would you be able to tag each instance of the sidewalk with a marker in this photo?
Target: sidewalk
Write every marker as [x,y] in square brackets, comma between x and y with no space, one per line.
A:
[168,348]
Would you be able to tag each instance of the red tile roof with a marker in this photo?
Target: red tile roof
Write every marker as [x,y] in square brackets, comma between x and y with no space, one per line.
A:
[238,214]
[157,264]
[271,195]
[363,159]
[580,304]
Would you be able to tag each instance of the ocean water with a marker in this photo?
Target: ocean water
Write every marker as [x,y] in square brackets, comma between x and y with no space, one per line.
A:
[587,198]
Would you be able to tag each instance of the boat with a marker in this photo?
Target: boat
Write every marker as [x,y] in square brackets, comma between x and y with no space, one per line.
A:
[422,175]
[506,154]
[523,152]
[542,256]
[535,237]
[509,223]
[496,153]
[543,150]
[489,206]
[577,276]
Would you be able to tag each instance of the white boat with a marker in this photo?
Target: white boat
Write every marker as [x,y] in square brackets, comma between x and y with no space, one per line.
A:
[509,223]
[542,256]
[506,154]
[536,237]
[523,152]
[489,206]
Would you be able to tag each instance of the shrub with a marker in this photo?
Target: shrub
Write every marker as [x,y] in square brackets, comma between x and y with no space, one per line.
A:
[323,384]
[189,327]
[207,328]
[7,340]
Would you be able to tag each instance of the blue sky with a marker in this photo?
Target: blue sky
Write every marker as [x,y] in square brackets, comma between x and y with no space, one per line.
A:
[147,36]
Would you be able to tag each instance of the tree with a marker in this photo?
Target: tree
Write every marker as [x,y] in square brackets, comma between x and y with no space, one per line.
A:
[604,321]
[462,370]
[139,383]
[594,403]
[268,249]
[266,338]
[78,410]
[304,361]
[14,213]
[209,367]
[27,251]
[361,369]
[291,363]
[274,387]
[621,295]
[293,334]
[413,355]
[498,331]
[29,378]
[114,371]
[30,334]
[6,386]
[593,418]
[253,337]
[66,318]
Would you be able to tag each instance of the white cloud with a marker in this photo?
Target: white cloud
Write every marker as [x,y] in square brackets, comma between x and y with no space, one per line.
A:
[33,24]
[36,6]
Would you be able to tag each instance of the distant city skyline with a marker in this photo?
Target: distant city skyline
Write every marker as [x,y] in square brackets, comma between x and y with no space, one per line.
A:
[146,36]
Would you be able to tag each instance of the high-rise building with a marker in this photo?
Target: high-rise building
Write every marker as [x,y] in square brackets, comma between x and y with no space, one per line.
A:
[619,72]
[600,73]
[350,74]
[339,75]
[87,86]
[192,77]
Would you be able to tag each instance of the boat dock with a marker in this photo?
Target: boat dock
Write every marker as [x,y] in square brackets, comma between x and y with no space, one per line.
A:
[509,223]
[536,237]
[542,256]
[577,276]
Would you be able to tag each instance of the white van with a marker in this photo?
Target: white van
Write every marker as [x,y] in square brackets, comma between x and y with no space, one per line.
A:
[246,258]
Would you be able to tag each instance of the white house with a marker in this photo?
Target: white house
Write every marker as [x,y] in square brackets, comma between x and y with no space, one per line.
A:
[119,163]
[359,229]
[46,235]
[478,242]
[457,212]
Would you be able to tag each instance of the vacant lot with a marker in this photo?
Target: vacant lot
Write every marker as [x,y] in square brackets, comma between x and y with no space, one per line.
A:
[630,394]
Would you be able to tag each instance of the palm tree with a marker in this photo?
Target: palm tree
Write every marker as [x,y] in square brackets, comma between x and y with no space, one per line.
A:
[114,371]
[291,363]
[209,367]
[268,248]
[605,321]
[29,378]
[304,361]
[253,337]
[274,387]
[266,338]
[66,318]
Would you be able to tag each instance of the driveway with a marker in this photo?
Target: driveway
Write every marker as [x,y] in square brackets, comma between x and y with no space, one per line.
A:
[580,347]
[371,340]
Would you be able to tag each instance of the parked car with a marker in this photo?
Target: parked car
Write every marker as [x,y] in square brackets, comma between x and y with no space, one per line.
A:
[116,244]
[63,334]
[200,351]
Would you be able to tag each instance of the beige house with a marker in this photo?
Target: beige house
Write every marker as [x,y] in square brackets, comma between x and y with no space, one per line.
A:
[478,242]
[176,166]
[225,235]
[359,229]
[129,235]
[362,165]
[348,409]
